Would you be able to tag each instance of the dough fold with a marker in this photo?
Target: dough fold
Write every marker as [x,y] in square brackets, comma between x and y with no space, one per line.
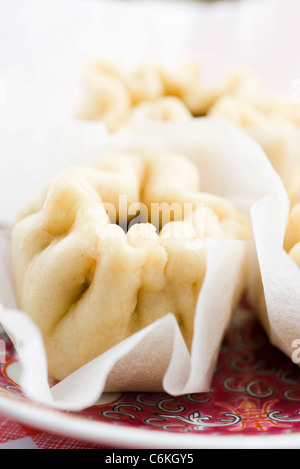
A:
[90,272]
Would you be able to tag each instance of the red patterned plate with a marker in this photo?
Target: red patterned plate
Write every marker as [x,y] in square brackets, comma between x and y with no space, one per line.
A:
[254,402]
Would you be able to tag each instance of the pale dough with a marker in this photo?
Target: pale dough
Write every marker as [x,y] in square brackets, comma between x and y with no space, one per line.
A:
[86,282]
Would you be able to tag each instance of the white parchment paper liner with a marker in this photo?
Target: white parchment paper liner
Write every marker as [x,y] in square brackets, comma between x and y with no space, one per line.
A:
[277,296]
[156,358]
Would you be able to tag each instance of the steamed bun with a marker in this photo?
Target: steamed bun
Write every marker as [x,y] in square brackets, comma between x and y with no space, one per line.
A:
[120,98]
[87,282]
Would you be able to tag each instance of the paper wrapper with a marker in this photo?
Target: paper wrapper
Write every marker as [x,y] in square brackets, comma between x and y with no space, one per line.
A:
[275,290]
[156,358]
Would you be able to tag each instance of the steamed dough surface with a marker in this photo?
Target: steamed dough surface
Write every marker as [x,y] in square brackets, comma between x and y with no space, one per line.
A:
[87,283]
[292,234]
[121,97]
[179,93]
